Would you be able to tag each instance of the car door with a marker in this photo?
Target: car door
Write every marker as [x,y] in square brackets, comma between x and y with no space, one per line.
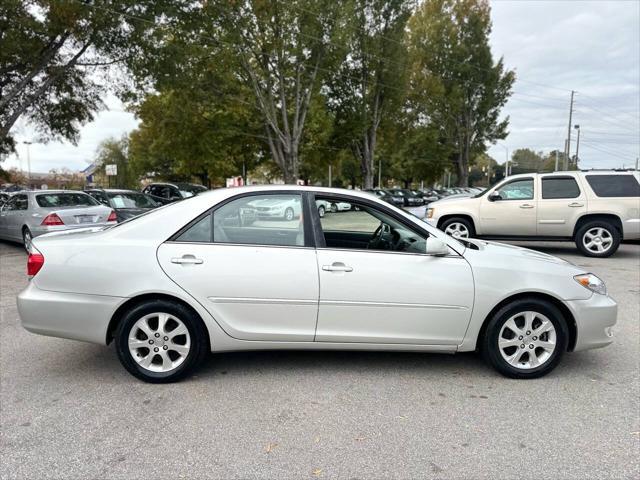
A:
[256,276]
[373,291]
[510,209]
[13,216]
[561,202]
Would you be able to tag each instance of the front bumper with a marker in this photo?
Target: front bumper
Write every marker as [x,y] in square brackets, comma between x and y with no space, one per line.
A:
[595,318]
[66,315]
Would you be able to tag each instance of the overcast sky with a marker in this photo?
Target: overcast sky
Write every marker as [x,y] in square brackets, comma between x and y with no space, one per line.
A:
[592,47]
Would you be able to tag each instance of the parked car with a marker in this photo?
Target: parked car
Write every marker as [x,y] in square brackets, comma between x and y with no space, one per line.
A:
[32,213]
[170,286]
[275,207]
[387,196]
[410,199]
[171,192]
[126,203]
[427,195]
[595,209]
[332,207]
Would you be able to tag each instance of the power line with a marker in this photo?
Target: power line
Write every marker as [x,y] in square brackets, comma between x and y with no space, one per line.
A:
[634,117]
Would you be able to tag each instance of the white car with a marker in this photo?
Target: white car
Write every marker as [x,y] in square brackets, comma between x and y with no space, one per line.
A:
[276,207]
[171,285]
[325,206]
[595,209]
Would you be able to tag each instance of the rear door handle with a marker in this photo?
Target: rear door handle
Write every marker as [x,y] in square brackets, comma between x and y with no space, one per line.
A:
[337,267]
[187,260]
[576,204]
[526,205]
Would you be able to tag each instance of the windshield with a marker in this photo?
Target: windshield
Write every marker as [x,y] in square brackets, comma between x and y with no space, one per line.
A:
[131,200]
[189,190]
[67,199]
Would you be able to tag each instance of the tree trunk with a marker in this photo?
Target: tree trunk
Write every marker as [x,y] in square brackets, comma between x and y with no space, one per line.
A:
[462,170]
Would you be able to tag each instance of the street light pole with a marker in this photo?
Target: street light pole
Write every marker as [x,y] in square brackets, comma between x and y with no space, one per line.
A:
[28,144]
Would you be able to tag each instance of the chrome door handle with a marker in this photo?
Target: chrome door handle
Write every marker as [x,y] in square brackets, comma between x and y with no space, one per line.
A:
[576,204]
[187,260]
[526,205]
[337,267]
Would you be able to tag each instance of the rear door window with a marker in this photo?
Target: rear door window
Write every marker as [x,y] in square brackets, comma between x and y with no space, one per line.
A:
[614,185]
[559,187]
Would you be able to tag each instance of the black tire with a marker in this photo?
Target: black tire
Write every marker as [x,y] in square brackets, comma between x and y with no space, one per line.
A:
[611,231]
[334,208]
[197,332]
[321,211]
[26,238]
[468,225]
[489,342]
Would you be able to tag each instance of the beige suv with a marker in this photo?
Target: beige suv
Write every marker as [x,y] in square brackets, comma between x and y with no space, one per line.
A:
[596,209]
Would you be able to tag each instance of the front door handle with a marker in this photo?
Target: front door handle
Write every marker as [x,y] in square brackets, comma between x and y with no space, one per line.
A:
[526,205]
[337,267]
[576,204]
[187,260]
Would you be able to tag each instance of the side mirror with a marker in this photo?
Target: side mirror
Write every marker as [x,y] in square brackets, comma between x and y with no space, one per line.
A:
[495,196]
[436,247]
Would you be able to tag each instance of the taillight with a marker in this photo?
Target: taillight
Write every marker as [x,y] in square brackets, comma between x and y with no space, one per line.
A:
[112,217]
[52,219]
[35,261]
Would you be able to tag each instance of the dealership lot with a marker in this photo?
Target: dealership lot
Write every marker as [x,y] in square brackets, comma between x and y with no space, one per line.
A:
[69,409]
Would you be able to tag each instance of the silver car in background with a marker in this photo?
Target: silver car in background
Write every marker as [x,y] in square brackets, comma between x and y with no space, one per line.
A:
[29,214]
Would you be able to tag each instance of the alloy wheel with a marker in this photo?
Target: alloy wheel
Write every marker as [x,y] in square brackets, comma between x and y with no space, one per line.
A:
[457,230]
[597,240]
[527,340]
[26,237]
[159,342]
[288,214]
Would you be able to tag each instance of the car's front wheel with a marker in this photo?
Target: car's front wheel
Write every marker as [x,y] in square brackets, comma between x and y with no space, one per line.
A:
[161,341]
[458,227]
[525,339]
[288,214]
[321,211]
[598,239]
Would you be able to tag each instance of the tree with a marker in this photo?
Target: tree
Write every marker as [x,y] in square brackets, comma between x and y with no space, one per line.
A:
[113,151]
[454,82]
[526,160]
[369,84]
[48,60]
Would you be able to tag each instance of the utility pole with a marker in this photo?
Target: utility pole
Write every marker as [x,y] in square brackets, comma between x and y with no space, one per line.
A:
[380,173]
[556,169]
[568,148]
[577,127]
[329,175]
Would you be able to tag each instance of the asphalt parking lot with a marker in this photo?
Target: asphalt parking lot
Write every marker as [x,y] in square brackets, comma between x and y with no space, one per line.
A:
[69,410]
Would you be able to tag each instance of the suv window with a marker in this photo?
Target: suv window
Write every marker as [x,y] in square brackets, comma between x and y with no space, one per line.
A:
[560,187]
[614,185]
[517,190]
[367,228]
[252,220]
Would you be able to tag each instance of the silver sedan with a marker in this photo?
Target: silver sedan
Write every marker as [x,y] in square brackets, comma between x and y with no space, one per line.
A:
[174,284]
[29,214]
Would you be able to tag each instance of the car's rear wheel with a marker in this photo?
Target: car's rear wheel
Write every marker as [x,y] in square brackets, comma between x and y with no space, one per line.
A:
[160,341]
[598,239]
[525,339]
[26,238]
[458,227]
[321,211]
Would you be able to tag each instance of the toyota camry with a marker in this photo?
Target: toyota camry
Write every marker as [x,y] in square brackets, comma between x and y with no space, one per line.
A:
[190,278]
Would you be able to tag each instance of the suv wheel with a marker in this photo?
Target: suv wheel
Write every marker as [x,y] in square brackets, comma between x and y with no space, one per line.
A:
[598,239]
[161,341]
[525,339]
[458,227]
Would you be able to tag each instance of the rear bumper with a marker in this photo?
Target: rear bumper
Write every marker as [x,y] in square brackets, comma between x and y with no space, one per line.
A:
[595,318]
[66,315]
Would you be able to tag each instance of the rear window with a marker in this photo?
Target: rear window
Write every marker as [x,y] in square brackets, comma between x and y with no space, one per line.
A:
[54,200]
[614,185]
[560,187]
[131,200]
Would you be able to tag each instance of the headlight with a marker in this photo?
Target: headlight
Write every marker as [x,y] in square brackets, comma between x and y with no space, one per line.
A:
[430,212]
[593,283]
